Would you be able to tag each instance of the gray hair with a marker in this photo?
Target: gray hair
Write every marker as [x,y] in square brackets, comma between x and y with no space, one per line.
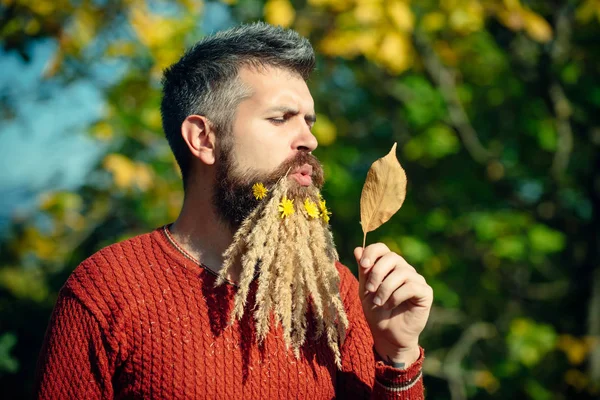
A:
[205,80]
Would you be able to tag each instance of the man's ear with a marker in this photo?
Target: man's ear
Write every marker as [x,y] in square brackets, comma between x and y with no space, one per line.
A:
[200,138]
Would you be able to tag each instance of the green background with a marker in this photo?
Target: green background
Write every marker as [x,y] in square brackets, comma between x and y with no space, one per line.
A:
[495,109]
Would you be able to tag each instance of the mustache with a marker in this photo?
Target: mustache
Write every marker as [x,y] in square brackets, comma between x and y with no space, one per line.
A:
[295,162]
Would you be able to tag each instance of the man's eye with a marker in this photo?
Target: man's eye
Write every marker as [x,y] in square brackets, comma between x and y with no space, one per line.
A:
[277,121]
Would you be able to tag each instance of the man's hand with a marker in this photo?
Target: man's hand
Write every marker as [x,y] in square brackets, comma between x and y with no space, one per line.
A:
[396,301]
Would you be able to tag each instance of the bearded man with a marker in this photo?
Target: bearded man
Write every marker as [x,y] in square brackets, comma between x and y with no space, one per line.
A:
[243,295]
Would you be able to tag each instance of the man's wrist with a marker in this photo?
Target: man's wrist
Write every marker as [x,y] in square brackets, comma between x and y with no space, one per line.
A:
[397,358]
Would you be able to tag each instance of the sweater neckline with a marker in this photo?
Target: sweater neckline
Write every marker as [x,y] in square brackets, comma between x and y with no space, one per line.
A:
[176,252]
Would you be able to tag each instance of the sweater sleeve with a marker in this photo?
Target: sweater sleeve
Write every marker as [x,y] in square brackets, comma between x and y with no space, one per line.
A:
[361,376]
[74,360]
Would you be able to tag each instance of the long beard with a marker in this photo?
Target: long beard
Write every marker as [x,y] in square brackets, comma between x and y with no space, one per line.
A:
[294,257]
[233,198]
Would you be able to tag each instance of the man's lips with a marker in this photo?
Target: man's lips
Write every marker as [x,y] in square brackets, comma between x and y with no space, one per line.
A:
[303,175]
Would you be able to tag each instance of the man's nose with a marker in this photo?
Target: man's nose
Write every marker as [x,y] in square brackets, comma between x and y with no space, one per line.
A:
[305,139]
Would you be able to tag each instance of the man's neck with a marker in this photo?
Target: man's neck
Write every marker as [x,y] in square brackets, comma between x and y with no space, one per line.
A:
[203,235]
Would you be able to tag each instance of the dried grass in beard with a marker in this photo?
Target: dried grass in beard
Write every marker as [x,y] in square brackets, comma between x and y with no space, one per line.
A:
[299,309]
[327,272]
[302,288]
[255,244]
[335,318]
[308,274]
[330,249]
[237,245]
[271,295]
[283,289]
[310,264]
[263,297]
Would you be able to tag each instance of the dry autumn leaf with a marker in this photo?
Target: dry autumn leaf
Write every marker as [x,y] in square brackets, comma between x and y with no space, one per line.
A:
[383,192]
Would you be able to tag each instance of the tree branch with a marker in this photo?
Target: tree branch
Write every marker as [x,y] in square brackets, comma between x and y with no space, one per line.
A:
[450,368]
[560,102]
[447,86]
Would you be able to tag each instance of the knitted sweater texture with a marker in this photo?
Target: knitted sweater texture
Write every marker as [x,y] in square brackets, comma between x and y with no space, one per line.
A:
[139,320]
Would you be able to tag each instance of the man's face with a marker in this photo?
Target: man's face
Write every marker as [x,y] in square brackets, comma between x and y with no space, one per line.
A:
[271,136]
[295,252]
[274,123]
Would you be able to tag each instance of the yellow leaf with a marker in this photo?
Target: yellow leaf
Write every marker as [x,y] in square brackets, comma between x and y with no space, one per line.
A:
[195,6]
[512,19]
[395,52]
[43,7]
[174,203]
[537,27]
[144,178]
[160,34]
[511,4]
[83,27]
[575,349]
[43,246]
[122,168]
[467,18]
[350,43]
[433,21]
[324,130]
[448,55]
[486,380]
[120,48]
[279,12]
[32,27]
[103,131]
[401,15]
[151,117]
[383,192]
[335,5]
[576,379]
[127,173]
[24,283]
[368,13]
[587,10]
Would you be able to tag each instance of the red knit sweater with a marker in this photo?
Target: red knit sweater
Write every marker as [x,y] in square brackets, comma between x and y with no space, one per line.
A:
[139,320]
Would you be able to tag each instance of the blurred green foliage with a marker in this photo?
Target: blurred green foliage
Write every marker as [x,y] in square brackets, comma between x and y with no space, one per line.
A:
[494,105]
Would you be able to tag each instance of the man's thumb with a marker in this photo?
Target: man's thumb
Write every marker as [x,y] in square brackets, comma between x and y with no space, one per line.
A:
[358,252]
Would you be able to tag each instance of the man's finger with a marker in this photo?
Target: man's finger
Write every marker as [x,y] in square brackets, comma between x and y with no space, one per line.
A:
[371,254]
[421,293]
[390,284]
[358,251]
[380,270]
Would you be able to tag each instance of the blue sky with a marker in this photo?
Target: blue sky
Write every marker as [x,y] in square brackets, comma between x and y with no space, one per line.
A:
[45,147]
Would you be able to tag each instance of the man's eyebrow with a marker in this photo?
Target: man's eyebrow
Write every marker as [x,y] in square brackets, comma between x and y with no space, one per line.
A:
[283,109]
[312,118]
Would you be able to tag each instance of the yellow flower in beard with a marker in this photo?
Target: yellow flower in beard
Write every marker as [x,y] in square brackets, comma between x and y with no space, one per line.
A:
[259,190]
[325,213]
[286,207]
[311,208]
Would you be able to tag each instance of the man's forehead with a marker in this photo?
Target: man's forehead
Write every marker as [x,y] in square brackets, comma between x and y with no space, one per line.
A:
[271,86]
[252,72]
